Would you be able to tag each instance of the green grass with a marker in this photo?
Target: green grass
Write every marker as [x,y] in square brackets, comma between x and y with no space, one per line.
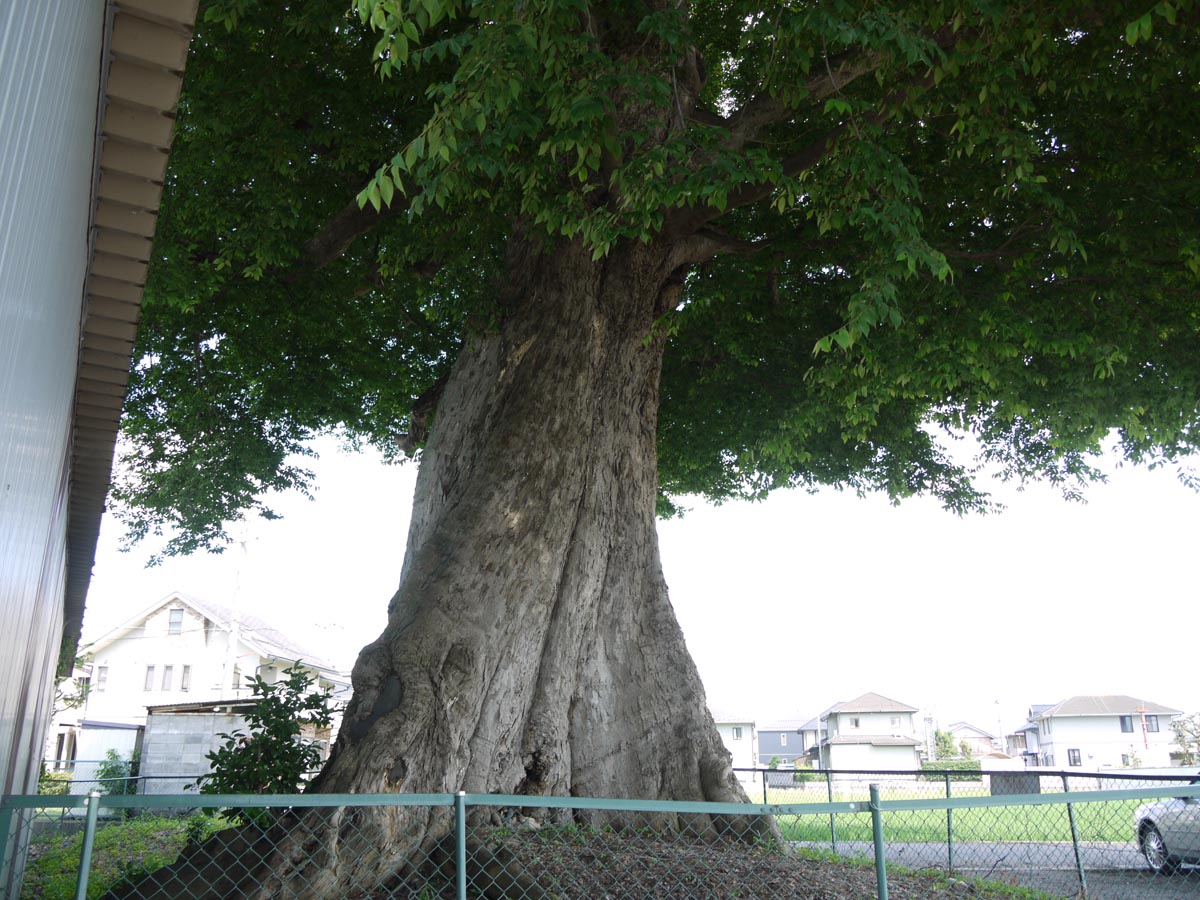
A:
[1112,821]
[122,849]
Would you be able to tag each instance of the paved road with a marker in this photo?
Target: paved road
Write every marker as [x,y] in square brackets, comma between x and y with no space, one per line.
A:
[1113,871]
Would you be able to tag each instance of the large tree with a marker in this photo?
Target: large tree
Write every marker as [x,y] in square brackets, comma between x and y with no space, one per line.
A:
[587,257]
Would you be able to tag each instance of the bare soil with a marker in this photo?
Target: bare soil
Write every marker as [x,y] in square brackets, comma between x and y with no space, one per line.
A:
[597,865]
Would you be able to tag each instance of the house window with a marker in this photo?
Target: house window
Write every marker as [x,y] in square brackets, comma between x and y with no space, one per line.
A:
[237,677]
[737,732]
[1127,724]
[895,721]
[1074,758]
[175,621]
[149,684]
[854,721]
[168,674]
[185,678]
[1152,723]
[783,740]
[101,677]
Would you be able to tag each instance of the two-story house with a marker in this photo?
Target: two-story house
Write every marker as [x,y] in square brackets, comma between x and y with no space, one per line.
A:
[1111,730]
[179,651]
[870,732]
[740,738]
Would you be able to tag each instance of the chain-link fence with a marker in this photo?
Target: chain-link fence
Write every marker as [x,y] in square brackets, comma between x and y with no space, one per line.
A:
[925,839]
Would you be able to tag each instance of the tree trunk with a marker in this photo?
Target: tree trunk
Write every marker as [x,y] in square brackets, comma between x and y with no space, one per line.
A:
[531,647]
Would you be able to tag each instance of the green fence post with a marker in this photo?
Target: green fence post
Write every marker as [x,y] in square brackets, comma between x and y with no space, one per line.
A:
[949,828]
[877,839]
[89,838]
[6,820]
[766,778]
[1075,842]
[832,816]
[460,844]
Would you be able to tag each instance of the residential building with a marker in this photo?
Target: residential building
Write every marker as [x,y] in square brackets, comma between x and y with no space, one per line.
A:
[179,651]
[977,742]
[793,741]
[783,742]
[869,732]
[1112,730]
[1023,742]
[741,740]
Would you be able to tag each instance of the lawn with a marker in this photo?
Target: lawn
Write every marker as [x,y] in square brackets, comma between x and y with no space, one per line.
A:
[1109,821]
[122,848]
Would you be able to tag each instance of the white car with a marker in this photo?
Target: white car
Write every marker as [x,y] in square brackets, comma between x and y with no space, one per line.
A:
[1168,832]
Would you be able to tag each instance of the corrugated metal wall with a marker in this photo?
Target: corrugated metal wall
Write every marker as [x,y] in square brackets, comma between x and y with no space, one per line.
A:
[49,77]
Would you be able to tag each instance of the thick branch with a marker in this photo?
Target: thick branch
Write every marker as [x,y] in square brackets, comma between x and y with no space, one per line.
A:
[764,111]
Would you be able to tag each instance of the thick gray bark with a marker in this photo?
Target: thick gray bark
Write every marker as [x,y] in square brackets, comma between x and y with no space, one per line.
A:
[531,644]
[531,647]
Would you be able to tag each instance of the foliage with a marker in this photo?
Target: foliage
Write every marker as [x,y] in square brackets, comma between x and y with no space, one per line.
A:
[943,745]
[271,758]
[117,776]
[71,692]
[803,774]
[964,750]
[121,850]
[1187,738]
[933,769]
[774,762]
[53,783]
[902,220]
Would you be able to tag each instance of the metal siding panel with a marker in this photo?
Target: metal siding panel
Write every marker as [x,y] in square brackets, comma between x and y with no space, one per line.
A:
[49,83]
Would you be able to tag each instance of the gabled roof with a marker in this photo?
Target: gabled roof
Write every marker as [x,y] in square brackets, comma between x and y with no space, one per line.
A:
[791,726]
[261,636]
[729,717]
[869,703]
[959,728]
[1105,705]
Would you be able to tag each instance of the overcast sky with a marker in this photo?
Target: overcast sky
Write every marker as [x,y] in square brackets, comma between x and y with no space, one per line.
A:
[791,604]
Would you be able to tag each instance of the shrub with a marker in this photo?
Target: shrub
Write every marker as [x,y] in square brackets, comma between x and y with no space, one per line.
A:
[969,768]
[117,776]
[53,784]
[271,759]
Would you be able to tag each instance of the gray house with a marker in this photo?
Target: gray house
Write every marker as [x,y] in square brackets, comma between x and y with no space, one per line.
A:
[782,741]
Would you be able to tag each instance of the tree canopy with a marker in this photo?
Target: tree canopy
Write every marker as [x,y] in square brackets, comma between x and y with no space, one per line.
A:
[902,218]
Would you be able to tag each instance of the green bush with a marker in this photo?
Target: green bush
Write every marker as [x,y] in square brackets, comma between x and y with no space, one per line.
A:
[271,759]
[117,776]
[935,769]
[53,784]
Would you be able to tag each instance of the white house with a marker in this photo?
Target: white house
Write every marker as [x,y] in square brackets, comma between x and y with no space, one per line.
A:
[869,732]
[1093,732]
[741,740]
[178,652]
[980,743]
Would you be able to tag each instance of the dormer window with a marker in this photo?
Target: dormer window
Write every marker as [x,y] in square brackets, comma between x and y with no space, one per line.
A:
[175,621]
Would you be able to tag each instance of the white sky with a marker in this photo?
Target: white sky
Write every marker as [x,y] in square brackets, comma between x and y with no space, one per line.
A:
[792,604]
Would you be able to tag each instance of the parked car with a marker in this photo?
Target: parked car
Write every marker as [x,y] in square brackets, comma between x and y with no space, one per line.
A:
[1168,832]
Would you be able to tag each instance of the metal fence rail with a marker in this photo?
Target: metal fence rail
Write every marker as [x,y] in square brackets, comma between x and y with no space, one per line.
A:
[1076,843]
